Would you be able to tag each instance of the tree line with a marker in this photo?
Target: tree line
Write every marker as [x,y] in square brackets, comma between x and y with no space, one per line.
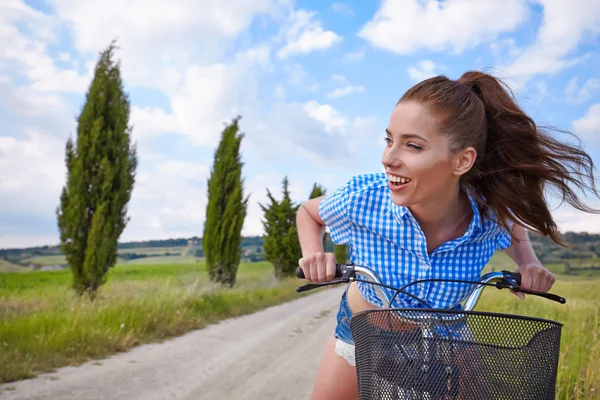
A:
[101,168]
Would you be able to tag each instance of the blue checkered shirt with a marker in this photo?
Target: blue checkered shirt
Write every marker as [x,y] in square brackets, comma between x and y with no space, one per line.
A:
[387,238]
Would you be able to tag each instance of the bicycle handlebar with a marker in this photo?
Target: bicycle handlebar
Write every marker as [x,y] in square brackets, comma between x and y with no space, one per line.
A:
[502,280]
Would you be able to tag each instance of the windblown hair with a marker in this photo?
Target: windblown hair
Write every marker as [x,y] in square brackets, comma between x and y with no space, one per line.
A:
[517,161]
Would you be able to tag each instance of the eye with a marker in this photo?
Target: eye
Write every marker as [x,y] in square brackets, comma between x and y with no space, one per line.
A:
[414,146]
[388,141]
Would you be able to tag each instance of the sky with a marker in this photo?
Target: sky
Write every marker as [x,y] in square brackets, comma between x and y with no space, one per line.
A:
[314,82]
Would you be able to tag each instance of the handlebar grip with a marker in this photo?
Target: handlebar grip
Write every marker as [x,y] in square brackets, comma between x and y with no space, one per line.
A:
[517,277]
[338,271]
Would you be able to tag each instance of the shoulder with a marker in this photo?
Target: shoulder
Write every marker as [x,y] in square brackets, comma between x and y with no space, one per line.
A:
[491,230]
[360,191]
[366,183]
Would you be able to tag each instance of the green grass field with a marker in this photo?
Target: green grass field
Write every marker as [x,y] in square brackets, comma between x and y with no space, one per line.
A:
[42,326]
[7,266]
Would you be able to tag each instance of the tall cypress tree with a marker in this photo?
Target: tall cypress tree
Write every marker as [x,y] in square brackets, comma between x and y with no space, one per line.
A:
[316,191]
[281,246]
[100,178]
[226,209]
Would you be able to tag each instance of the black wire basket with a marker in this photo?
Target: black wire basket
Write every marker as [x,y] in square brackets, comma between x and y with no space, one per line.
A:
[436,354]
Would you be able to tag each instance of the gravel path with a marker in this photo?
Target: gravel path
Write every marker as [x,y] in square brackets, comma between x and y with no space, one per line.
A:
[271,354]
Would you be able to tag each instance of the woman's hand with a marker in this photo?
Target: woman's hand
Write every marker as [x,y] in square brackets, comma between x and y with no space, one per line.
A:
[318,267]
[535,277]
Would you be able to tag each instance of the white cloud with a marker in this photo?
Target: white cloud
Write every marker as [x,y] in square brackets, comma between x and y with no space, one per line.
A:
[345,91]
[279,92]
[209,96]
[257,188]
[589,125]
[176,209]
[151,122]
[156,42]
[423,70]
[342,9]
[570,219]
[504,48]
[329,116]
[313,132]
[24,51]
[32,173]
[576,95]
[305,35]
[295,74]
[406,26]
[564,25]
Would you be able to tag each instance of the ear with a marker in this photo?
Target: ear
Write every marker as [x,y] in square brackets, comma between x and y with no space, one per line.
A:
[464,160]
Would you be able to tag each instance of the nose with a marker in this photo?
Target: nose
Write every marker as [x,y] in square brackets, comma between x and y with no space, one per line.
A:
[391,158]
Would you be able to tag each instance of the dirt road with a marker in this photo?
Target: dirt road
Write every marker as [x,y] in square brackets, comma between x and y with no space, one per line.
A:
[272,354]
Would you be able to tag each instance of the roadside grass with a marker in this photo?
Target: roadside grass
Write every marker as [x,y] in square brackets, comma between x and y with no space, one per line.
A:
[579,363]
[43,326]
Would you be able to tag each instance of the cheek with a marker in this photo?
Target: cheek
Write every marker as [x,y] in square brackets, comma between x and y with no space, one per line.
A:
[432,171]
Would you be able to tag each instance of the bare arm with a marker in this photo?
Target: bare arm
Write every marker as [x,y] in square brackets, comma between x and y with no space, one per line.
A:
[311,227]
[521,251]
[317,266]
[533,275]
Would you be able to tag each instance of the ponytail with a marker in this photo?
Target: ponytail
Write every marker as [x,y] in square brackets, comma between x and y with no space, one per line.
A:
[517,161]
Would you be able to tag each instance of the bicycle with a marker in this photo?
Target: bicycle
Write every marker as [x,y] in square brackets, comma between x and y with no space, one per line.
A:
[434,354]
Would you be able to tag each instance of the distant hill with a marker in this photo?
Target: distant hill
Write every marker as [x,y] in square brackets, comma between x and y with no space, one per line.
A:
[581,245]
[251,246]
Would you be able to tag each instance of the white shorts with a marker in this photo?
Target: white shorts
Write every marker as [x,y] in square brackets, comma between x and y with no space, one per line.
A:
[345,350]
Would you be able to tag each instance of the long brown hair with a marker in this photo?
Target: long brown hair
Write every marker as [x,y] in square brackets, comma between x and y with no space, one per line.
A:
[517,160]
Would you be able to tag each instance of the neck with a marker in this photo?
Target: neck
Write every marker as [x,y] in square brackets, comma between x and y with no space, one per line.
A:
[446,211]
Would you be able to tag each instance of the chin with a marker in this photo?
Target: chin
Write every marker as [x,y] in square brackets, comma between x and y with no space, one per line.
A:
[400,200]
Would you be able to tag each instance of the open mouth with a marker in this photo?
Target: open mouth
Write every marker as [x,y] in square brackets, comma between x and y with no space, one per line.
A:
[398,180]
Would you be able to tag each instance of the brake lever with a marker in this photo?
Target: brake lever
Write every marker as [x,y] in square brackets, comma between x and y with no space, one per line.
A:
[549,296]
[310,286]
[516,288]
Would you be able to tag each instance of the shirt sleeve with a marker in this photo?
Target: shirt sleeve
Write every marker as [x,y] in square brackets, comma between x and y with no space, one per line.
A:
[333,210]
[504,239]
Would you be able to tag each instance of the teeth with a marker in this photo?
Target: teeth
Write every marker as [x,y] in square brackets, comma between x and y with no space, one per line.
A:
[397,179]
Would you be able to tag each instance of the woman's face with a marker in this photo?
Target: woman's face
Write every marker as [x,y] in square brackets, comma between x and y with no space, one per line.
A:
[416,158]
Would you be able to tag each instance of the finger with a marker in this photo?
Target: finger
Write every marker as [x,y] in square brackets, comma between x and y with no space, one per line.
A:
[314,267]
[525,277]
[549,280]
[308,269]
[321,267]
[330,266]
[519,295]
[302,267]
[537,279]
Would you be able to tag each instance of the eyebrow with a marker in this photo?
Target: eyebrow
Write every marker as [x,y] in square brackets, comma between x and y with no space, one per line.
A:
[408,136]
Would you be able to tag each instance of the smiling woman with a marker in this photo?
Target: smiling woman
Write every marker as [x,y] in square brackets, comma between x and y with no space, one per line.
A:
[465,172]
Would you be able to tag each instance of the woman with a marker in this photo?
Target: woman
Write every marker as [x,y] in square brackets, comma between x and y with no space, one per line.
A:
[465,172]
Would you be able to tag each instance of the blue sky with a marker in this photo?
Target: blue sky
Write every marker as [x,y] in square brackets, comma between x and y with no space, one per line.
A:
[314,81]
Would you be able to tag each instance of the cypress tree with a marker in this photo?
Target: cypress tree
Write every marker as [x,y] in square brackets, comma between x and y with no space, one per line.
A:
[100,178]
[226,209]
[317,191]
[281,245]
